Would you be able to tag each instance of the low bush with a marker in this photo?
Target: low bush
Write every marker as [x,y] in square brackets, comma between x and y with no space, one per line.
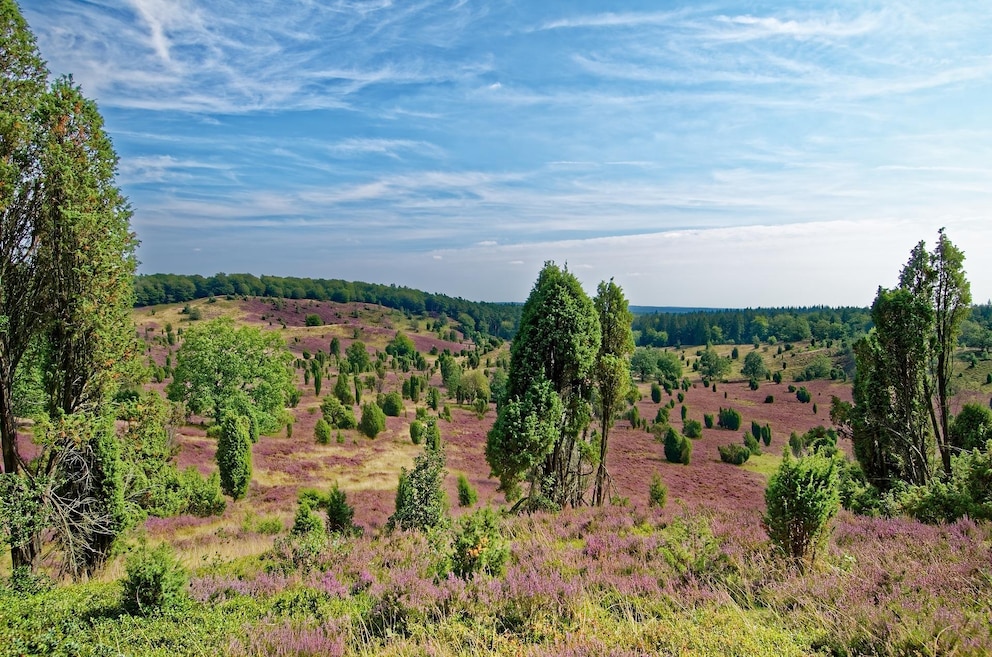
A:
[708,420]
[373,420]
[322,432]
[801,499]
[692,428]
[751,443]
[678,449]
[734,453]
[392,404]
[479,546]
[803,395]
[416,432]
[339,512]
[657,492]
[467,495]
[770,399]
[155,581]
[729,419]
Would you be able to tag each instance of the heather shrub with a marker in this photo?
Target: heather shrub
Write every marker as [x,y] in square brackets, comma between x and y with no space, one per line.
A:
[729,419]
[479,546]
[467,495]
[657,492]
[155,581]
[967,493]
[708,420]
[322,432]
[678,449]
[801,499]
[692,428]
[373,420]
[734,453]
[339,512]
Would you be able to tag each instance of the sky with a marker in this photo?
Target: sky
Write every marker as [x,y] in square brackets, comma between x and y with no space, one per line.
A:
[710,154]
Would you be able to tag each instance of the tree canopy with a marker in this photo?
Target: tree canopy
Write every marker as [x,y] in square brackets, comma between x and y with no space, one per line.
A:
[219,364]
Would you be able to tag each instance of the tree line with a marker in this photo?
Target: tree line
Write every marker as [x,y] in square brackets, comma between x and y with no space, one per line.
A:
[497,319]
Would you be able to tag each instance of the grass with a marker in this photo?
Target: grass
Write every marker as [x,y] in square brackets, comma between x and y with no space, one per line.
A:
[764,464]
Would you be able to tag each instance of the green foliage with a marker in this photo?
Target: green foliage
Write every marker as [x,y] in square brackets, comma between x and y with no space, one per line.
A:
[661,417]
[552,364]
[467,495]
[766,434]
[657,492]
[708,420]
[655,393]
[340,514]
[322,432]
[219,364]
[770,399]
[803,395]
[677,448]
[729,418]
[751,443]
[416,431]
[479,546]
[967,493]
[801,498]
[358,358]
[734,454]
[156,581]
[972,427]
[692,428]
[373,420]
[754,366]
[524,433]
[306,521]
[203,496]
[420,499]
[234,455]
[392,404]
[712,365]
[342,390]
[337,415]
[433,398]
[313,320]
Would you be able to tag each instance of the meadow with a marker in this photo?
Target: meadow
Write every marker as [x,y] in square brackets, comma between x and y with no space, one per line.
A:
[696,577]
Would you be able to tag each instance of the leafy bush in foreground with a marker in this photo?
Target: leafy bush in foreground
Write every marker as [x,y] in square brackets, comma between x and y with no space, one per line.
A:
[801,498]
[155,581]
[734,453]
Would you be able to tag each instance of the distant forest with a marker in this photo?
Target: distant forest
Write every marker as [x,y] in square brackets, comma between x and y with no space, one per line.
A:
[667,327]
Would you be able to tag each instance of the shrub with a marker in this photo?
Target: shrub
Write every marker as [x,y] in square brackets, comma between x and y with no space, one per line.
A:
[420,500]
[657,492]
[479,546]
[752,384]
[392,404]
[373,420]
[416,431]
[777,377]
[801,498]
[467,495]
[729,419]
[322,432]
[751,443]
[681,397]
[339,512]
[155,581]
[792,388]
[708,420]
[734,453]
[234,455]
[313,320]
[661,417]
[766,434]
[967,493]
[677,448]
[306,521]
[692,428]
[803,395]
[203,494]
[337,414]
[770,399]
[655,393]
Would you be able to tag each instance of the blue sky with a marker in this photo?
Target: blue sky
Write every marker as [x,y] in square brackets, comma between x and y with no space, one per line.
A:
[702,154]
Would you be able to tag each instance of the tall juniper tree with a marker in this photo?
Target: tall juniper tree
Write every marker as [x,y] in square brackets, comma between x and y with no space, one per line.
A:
[540,433]
[66,289]
[612,371]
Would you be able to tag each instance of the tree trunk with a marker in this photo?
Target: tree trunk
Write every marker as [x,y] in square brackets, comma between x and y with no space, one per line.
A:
[599,492]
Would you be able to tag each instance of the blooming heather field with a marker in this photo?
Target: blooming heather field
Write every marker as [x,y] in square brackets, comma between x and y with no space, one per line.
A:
[698,577]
